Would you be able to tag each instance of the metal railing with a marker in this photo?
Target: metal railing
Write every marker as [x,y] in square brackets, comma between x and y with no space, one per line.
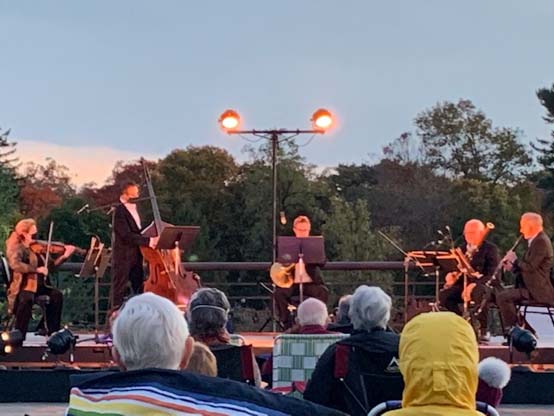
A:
[251,292]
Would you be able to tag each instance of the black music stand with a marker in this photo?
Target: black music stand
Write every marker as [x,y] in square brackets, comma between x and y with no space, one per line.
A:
[310,249]
[89,267]
[466,269]
[432,263]
[95,266]
[177,236]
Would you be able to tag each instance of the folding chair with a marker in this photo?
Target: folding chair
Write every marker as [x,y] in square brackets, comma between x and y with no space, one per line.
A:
[384,407]
[524,304]
[234,362]
[295,357]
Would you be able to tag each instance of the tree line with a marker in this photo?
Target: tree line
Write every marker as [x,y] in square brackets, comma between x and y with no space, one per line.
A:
[454,165]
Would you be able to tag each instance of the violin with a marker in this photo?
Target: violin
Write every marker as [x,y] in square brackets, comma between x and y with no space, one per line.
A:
[56,248]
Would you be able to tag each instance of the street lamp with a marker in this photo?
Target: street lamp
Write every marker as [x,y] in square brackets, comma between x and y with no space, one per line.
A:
[322,120]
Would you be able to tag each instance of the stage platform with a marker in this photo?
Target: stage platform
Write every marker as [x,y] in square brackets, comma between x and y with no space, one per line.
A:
[26,377]
[90,354]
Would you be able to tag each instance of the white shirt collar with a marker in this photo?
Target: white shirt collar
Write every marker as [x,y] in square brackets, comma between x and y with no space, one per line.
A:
[530,240]
[132,208]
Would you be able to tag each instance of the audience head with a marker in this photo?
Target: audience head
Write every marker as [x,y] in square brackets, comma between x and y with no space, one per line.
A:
[343,309]
[312,312]
[494,375]
[207,313]
[370,308]
[202,360]
[530,224]
[151,332]
[438,361]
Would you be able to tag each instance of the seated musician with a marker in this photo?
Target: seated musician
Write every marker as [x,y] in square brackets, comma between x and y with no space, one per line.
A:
[532,271]
[30,278]
[484,259]
[313,285]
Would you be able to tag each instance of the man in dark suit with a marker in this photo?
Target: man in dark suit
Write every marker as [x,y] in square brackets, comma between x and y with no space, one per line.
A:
[126,243]
[484,259]
[532,271]
[314,287]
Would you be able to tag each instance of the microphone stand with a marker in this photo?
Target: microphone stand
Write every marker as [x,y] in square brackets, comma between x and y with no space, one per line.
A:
[407,258]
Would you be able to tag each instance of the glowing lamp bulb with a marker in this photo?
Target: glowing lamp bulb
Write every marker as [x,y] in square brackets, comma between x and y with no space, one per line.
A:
[322,119]
[229,120]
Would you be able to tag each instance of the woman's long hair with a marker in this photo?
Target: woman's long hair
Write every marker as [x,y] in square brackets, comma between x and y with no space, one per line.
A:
[16,236]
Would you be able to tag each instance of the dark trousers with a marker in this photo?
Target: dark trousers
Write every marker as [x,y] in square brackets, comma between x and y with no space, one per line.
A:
[506,301]
[120,279]
[24,308]
[451,298]
[283,297]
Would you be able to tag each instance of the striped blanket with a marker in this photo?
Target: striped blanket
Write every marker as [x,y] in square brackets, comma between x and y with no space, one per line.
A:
[166,392]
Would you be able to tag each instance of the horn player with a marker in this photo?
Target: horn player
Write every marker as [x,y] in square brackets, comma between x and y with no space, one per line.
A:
[313,285]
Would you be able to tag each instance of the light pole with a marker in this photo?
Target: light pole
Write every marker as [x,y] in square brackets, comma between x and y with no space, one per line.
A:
[321,122]
[230,122]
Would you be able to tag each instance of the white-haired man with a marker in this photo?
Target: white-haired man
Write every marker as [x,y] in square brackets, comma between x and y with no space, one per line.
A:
[532,271]
[342,323]
[151,343]
[484,259]
[312,317]
[369,354]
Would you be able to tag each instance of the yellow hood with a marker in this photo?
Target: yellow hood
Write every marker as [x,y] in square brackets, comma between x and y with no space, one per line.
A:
[438,360]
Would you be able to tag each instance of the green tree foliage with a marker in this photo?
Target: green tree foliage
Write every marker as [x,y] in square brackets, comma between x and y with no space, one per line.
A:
[7,150]
[349,237]
[545,148]
[192,186]
[499,204]
[9,190]
[460,141]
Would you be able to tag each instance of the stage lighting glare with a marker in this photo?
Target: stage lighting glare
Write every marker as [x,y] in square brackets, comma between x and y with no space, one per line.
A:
[229,120]
[322,119]
[8,349]
[5,336]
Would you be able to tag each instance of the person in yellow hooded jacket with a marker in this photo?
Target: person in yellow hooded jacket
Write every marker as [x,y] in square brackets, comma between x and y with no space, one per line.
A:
[438,361]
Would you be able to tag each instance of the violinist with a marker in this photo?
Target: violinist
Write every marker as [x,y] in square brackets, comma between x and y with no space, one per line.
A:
[30,277]
[484,259]
[127,240]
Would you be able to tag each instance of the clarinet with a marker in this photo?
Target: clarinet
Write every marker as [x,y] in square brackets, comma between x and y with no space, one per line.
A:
[496,274]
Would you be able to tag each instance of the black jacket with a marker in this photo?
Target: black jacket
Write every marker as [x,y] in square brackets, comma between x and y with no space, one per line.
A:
[484,260]
[371,376]
[533,270]
[127,240]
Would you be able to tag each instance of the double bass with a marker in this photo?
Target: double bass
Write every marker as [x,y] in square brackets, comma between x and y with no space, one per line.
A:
[166,276]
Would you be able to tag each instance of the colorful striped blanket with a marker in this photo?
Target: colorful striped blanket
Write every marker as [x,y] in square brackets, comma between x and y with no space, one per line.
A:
[166,392]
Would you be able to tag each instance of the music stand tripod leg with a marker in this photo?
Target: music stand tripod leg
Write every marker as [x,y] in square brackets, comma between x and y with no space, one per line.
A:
[435,305]
[273,317]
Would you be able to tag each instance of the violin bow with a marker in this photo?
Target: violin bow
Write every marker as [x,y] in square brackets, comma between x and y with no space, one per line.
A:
[50,231]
